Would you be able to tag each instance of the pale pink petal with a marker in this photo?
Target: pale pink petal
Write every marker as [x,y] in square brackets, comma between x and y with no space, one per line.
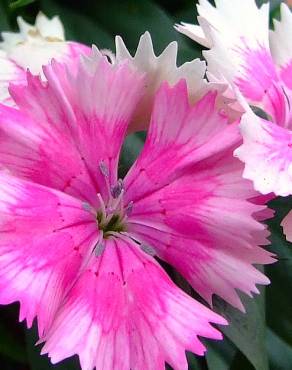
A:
[72,123]
[254,73]
[125,313]
[190,201]
[45,235]
[287,226]
[267,154]
[9,72]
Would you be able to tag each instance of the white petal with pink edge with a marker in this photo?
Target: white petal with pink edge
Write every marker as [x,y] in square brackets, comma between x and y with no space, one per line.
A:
[267,154]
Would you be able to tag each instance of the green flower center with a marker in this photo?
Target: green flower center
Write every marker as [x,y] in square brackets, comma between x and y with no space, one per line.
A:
[109,225]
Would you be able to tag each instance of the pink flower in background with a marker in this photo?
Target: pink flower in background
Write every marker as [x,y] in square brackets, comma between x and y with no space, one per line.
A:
[31,48]
[259,63]
[80,248]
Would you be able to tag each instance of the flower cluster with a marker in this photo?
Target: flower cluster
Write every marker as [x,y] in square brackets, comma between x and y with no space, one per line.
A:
[82,249]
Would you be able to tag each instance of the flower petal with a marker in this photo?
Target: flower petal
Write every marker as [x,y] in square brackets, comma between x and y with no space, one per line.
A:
[241,54]
[179,136]
[267,154]
[279,38]
[35,45]
[9,72]
[190,201]
[287,226]
[45,236]
[158,69]
[71,124]
[113,323]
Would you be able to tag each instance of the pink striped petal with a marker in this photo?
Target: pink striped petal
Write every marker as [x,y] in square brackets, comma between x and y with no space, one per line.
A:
[125,313]
[45,235]
[179,136]
[70,125]
[190,201]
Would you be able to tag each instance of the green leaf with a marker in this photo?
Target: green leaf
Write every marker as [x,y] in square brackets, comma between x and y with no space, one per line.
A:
[132,146]
[131,18]
[280,353]
[20,3]
[4,21]
[77,26]
[220,354]
[247,330]
[279,293]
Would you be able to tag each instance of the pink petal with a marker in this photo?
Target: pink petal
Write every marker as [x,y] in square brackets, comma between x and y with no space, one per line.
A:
[70,125]
[287,226]
[125,313]
[179,136]
[190,201]
[45,235]
[267,154]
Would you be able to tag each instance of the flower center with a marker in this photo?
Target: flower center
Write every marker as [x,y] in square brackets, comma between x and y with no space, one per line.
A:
[112,215]
[110,225]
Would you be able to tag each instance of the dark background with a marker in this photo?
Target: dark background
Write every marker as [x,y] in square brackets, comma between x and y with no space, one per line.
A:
[260,339]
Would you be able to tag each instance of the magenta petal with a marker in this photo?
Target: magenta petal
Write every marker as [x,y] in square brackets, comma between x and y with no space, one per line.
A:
[45,235]
[124,312]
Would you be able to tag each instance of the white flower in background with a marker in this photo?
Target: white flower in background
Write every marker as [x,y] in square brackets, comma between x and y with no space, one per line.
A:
[31,48]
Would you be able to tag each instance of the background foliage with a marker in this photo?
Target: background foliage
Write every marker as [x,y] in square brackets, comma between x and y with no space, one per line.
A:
[261,339]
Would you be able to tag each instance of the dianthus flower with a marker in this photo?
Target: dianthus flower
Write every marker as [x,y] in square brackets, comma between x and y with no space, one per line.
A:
[259,63]
[80,248]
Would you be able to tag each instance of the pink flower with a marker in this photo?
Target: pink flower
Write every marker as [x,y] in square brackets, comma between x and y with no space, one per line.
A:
[259,63]
[78,244]
[31,48]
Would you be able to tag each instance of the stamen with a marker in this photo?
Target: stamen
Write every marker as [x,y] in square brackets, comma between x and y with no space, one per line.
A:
[99,249]
[129,208]
[102,206]
[148,249]
[117,189]
[104,169]
[86,206]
